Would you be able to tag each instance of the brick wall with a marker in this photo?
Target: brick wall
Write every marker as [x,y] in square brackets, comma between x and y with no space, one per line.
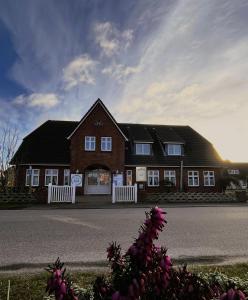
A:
[81,159]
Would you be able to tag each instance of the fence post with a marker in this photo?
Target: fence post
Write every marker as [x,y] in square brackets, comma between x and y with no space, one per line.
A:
[49,193]
[113,193]
[73,193]
[136,192]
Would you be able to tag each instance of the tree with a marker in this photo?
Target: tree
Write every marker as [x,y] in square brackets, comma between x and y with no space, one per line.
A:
[8,142]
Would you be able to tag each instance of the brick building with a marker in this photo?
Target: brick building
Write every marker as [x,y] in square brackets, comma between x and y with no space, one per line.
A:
[98,149]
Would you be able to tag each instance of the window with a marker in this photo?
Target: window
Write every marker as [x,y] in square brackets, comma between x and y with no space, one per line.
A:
[129,177]
[66,176]
[174,149]
[233,172]
[193,178]
[90,143]
[170,175]
[153,178]
[106,143]
[209,179]
[32,176]
[143,149]
[51,176]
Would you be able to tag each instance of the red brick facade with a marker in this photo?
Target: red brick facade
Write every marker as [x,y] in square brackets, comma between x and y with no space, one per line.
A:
[99,123]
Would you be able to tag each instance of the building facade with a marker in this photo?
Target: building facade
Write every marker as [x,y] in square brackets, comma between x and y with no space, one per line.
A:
[100,151]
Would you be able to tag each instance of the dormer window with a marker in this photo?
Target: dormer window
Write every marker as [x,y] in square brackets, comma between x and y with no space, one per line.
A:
[143,149]
[174,149]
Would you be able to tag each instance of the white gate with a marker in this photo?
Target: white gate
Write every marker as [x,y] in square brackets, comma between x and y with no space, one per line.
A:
[61,194]
[124,193]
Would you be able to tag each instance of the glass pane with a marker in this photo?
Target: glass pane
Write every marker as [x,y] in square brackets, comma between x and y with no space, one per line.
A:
[48,180]
[104,178]
[138,149]
[146,148]
[35,180]
[92,179]
[54,180]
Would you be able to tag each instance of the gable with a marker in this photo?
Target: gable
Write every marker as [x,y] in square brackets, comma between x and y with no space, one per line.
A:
[98,105]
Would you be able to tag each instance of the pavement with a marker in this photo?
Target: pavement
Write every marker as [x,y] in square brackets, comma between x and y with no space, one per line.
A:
[30,239]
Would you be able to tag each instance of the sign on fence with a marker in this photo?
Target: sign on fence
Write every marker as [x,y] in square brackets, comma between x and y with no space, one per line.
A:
[77,179]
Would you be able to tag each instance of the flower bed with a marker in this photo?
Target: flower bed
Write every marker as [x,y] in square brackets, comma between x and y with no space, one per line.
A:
[145,272]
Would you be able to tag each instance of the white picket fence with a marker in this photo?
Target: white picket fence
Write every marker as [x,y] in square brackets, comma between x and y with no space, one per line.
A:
[124,193]
[61,194]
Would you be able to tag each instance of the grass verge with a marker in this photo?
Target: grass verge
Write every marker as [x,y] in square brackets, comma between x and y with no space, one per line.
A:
[32,287]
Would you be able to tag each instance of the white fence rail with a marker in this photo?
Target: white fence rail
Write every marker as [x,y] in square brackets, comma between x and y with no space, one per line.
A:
[124,193]
[61,194]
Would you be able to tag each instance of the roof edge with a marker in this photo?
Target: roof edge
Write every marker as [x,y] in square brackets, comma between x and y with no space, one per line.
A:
[98,101]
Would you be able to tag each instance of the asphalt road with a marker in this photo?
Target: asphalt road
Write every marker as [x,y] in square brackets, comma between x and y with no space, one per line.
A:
[39,236]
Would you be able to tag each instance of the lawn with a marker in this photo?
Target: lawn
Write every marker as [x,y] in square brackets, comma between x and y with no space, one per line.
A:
[33,286]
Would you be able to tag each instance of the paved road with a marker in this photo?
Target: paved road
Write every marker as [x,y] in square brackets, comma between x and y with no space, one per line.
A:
[39,236]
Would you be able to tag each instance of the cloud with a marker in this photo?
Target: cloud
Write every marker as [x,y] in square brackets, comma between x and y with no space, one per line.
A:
[78,71]
[40,100]
[120,72]
[110,39]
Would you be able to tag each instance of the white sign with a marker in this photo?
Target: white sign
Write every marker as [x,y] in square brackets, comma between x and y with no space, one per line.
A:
[141,174]
[118,179]
[77,179]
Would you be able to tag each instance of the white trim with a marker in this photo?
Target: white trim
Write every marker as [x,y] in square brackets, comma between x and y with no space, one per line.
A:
[170,149]
[129,175]
[169,177]
[152,177]
[92,139]
[106,137]
[98,101]
[142,148]
[66,175]
[142,142]
[194,185]
[32,177]
[51,176]
[208,177]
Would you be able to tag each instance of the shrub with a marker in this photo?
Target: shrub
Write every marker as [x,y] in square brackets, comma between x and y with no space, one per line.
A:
[145,272]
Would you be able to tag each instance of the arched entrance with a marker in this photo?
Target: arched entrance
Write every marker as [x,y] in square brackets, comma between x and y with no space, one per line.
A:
[97,180]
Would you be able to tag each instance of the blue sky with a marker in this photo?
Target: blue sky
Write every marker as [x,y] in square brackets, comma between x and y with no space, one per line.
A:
[169,62]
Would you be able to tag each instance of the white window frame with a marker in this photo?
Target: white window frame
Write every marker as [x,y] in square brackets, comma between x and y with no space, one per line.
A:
[54,173]
[172,149]
[33,175]
[152,174]
[67,174]
[170,175]
[106,143]
[194,175]
[129,174]
[89,143]
[142,152]
[233,171]
[207,176]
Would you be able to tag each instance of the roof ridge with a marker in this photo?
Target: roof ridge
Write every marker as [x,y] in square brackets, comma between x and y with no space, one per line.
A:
[144,124]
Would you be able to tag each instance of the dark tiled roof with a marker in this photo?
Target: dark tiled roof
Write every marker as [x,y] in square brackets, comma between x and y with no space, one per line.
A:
[48,144]
[197,150]
[241,166]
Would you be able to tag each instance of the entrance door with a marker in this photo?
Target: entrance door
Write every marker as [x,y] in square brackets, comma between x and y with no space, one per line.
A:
[98,182]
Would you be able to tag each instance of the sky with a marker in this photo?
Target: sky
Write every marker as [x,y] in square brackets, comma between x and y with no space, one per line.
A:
[178,62]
